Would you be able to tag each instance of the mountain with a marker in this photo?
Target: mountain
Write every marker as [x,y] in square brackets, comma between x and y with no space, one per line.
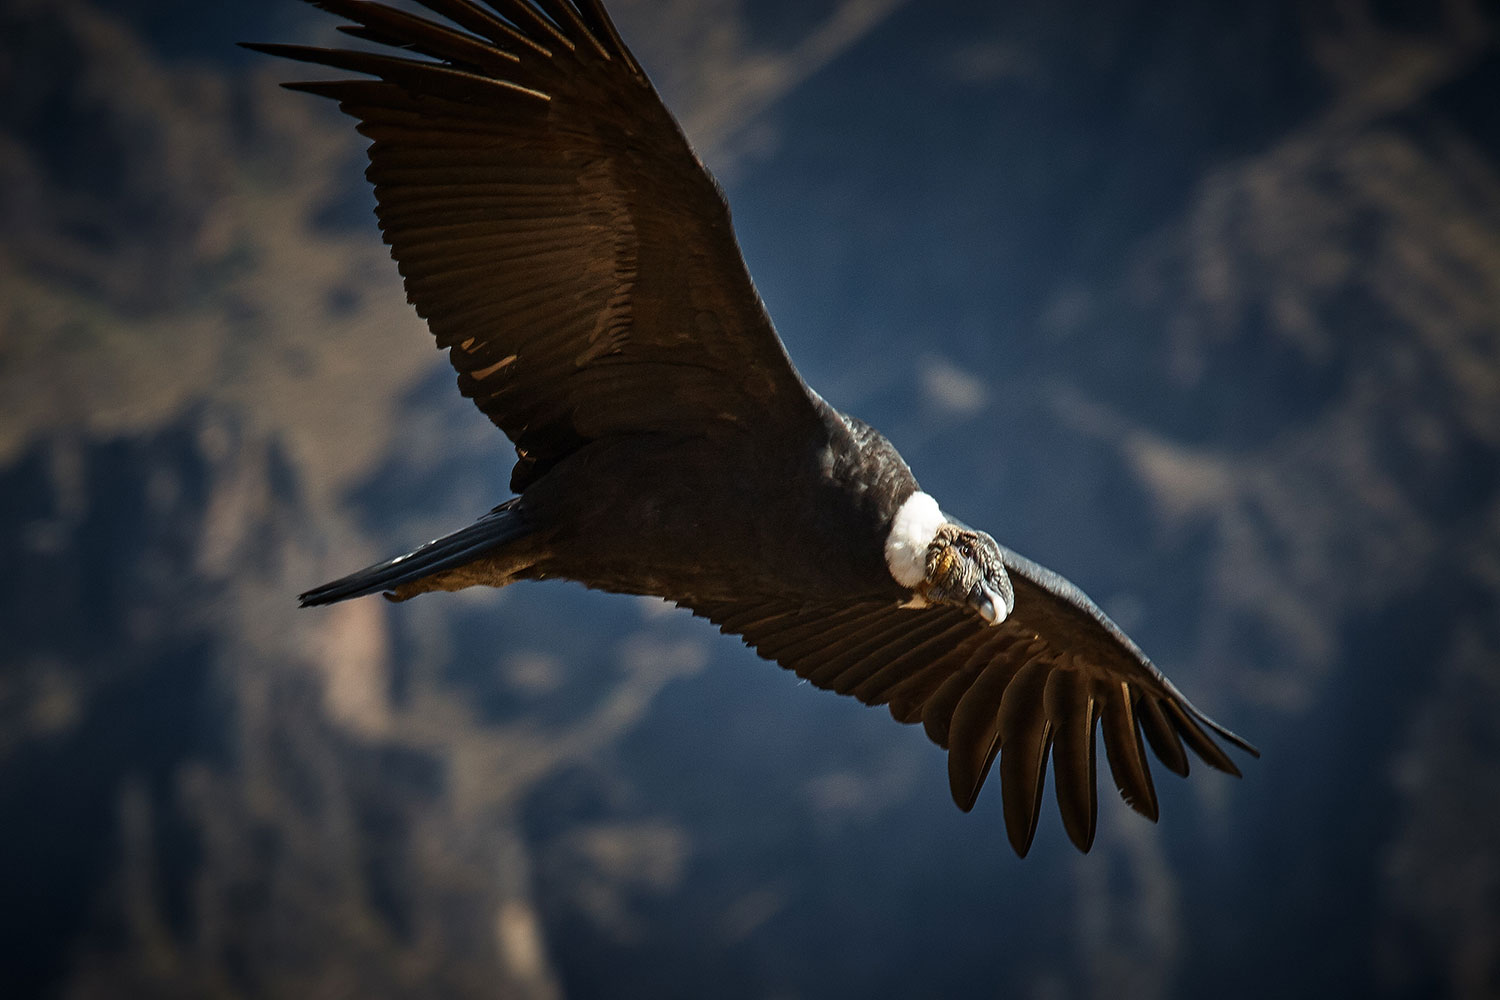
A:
[1199,305]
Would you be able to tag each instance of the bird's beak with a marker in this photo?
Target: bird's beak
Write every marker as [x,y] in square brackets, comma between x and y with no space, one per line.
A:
[989,604]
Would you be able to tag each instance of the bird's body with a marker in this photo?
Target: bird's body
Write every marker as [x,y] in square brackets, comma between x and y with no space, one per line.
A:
[557,232]
[703,519]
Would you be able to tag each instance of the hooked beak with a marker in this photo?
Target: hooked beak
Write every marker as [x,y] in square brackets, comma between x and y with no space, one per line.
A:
[989,604]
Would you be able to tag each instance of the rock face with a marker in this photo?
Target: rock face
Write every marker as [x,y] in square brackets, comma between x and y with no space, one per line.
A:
[1202,308]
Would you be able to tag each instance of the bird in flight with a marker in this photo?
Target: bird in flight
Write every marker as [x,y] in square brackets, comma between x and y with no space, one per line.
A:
[569,250]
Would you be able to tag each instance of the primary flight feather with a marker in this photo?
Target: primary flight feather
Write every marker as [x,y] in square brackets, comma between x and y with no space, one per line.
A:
[563,242]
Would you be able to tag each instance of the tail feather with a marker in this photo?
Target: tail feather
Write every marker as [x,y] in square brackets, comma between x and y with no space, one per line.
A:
[503,524]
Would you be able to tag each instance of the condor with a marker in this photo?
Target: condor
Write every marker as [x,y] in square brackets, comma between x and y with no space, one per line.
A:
[574,257]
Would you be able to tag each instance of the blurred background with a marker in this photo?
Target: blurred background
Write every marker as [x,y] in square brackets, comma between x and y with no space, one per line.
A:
[1198,304]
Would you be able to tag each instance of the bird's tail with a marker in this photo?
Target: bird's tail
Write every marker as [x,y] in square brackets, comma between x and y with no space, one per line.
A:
[503,524]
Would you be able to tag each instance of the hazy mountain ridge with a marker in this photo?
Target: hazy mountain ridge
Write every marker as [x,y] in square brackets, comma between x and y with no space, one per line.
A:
[463,795]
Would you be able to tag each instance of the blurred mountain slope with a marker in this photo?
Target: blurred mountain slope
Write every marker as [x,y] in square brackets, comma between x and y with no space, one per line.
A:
[1201,307]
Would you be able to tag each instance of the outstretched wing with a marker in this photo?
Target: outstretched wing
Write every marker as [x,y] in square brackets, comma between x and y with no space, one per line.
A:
[553,226]
[1038,684]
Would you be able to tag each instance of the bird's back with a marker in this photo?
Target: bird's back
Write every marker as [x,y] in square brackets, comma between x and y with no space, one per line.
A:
[727,515]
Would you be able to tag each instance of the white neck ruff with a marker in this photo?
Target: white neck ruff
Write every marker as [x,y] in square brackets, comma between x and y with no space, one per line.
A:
[913,528]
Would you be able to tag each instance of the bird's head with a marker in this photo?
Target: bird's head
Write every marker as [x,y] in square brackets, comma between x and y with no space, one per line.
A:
[964,568]
[944,561]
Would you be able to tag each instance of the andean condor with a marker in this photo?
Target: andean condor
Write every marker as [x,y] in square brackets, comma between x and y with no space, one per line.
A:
[564,243]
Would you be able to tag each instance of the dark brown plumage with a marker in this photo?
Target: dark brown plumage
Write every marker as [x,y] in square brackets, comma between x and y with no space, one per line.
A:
[555,229]
[1043,680]
[564,244]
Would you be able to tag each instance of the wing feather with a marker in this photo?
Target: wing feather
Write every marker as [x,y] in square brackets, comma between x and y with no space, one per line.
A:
[910,694]
[901,634]
[1162,736]
[543,206]
[1025,739]
[911,657]
[1073,712]
[1195,737]
[937,713]
[848,655]
[1036,687]
[975,732]
[1123,750]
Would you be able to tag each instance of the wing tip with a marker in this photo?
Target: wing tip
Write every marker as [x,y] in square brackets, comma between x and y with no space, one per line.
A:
[1021,837]
[333,593]
[1186,717]
[1239,742]
[1084,841]
[964,787]
[283,50]
[1150,809]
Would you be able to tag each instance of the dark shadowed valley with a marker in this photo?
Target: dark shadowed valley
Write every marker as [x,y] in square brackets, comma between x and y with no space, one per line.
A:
[1198,305]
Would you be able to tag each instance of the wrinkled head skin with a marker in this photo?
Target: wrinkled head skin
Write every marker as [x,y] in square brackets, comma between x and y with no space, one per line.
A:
[964,568]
